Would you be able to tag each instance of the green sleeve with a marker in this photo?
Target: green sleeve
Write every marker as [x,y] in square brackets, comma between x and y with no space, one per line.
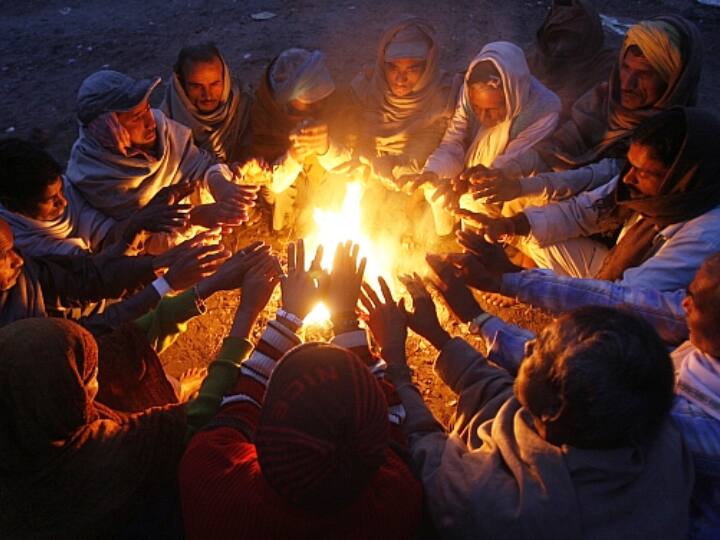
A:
[222,375]
[169,319]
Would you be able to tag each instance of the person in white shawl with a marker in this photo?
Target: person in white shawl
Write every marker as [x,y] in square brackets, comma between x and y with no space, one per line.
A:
[49,217]
[203,96]
[503,110]
[579,445]
[127,152]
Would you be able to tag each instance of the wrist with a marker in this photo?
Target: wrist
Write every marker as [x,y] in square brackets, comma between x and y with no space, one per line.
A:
[344,322]
[520,224]
[394,353]
[206,288]
[243,323]
[438,338]
[289,319]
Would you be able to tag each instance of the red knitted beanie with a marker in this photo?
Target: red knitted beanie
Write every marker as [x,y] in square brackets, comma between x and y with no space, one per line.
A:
[323,430]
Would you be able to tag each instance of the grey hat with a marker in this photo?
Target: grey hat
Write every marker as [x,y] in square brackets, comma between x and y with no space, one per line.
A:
[111,91]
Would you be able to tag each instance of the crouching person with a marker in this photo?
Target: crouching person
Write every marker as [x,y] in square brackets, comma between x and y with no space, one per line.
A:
[306,445]
[83,469]
[580,445]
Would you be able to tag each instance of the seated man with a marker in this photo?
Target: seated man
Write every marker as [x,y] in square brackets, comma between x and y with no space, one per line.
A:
[658,68]
[403,103]
[127,152]
[49,217]
[502,111]
[306,445]
[580,445]
[203,96]
[568,54]
[696,359]
[292,120]
[666,203]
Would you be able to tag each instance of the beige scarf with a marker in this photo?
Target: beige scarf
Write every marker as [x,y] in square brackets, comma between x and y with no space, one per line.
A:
[220,131]
[391,120]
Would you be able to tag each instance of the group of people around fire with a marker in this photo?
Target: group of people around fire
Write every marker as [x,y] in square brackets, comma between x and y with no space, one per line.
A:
[576,178]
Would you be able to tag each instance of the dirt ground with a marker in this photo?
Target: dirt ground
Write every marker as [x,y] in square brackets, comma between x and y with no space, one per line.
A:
[48,47]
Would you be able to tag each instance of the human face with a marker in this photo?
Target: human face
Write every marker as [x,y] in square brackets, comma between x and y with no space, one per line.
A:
[701,305]
[646,174]
[203,83]
[140,125]
[488,104]
[50,205]
[640,85]
[402,75]
[10,262]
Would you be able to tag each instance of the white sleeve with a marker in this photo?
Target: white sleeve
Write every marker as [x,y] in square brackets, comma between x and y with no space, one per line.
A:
[526,139]
[448,159]
[573,218]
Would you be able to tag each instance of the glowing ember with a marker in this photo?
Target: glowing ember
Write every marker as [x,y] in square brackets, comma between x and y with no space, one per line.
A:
[334,227]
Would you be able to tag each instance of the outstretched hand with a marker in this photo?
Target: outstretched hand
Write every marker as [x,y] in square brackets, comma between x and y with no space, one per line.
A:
[163,213]
[423,319]
[386,319]
[232,273]
[343,285]
[300,290]
[485,264]
[496,190]
[193,260]
[451,284]
[259,281]
[493,229]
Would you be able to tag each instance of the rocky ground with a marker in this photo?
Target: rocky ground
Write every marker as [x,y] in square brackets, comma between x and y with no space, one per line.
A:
[48,47]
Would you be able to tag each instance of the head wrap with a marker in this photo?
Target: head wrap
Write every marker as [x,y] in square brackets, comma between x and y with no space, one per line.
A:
[323,431]
[111,91]
[660,43]
[302,75]
[689,189]
[602,126]
[568,56]
[515,80]
[219,131]
[389,120]
[410,42]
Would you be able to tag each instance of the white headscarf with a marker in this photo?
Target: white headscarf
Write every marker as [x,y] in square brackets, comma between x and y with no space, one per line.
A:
[509,60]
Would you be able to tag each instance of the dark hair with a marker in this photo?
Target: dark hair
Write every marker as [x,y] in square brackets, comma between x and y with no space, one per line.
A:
[25,171]
[484,72]
[664,133]
[204,52]
[610,374]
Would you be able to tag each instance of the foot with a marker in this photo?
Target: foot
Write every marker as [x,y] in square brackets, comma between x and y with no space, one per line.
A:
[190,382]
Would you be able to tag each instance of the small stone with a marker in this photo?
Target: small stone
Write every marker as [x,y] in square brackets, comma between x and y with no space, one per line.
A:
[65,11]
[71,61]
[247,55]
[11,129]
[263,16]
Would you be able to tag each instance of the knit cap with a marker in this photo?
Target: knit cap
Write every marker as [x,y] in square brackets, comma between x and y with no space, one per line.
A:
[323,431]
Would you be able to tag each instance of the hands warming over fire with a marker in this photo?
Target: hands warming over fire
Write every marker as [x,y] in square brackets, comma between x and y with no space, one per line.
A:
[309,139]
